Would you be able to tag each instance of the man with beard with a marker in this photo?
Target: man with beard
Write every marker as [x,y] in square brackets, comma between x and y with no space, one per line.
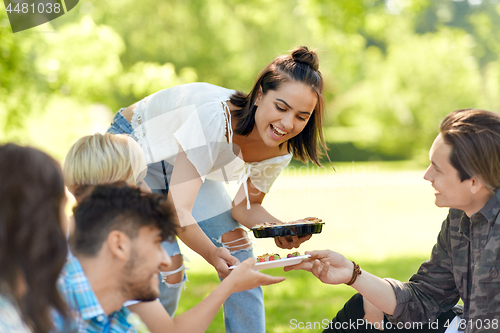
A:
[117,256]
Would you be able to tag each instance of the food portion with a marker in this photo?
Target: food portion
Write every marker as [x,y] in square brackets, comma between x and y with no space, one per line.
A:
[275,256]
[306,226]
[274,260]
[294,254]
[268,257]
[307,220]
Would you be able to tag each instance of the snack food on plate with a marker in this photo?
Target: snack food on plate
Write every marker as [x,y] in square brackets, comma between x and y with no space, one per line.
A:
[268,257]
[306,226]
[307,220]
[273,260]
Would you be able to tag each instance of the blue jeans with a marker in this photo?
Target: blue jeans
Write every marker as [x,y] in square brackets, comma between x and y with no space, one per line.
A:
[169,293]
[243,311]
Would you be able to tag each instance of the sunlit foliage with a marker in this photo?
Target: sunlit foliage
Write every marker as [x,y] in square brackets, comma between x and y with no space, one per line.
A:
[392,68]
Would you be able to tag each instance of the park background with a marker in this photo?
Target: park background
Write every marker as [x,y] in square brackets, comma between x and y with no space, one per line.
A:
[392,70]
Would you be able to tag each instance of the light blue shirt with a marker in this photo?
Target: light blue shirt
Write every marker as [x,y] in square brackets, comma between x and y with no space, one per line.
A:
[86,311]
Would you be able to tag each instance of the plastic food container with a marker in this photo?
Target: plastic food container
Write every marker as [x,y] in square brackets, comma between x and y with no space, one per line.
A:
[288,230]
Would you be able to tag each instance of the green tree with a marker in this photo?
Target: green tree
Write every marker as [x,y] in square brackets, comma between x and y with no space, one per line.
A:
[23,90]
[392,68]
[396,109]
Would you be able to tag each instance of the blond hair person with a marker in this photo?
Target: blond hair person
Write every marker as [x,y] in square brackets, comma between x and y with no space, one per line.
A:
[110,158]
[101,159]
[105,159]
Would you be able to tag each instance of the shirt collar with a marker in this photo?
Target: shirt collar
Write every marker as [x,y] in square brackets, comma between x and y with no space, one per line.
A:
[491,208]
[464,227]
[489,212]
[84,297]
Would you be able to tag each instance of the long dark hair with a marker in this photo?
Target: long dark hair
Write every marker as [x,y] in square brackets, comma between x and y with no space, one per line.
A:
[33,247]
[302,65]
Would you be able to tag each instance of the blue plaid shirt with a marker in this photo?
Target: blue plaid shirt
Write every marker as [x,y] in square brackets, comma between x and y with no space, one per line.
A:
[87,313]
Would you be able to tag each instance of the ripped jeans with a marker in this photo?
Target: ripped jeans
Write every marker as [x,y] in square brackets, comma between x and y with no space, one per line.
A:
[243,311]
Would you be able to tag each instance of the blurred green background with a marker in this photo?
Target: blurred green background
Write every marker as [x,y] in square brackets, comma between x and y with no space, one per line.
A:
[392,70]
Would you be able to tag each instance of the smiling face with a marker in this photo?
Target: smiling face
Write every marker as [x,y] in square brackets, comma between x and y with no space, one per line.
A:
[449,190]
[282,114]
[141,281]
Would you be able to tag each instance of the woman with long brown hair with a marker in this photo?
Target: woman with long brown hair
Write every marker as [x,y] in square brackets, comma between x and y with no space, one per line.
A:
[33,247]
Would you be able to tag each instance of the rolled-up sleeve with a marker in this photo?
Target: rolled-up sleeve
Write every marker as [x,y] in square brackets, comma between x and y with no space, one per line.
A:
[432,290]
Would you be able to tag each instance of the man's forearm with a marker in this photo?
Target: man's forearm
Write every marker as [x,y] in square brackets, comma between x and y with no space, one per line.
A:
[378,291]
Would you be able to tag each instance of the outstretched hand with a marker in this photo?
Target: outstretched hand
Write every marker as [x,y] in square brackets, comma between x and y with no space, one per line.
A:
[328,266]
[290,242]
[221,260]
[243,277]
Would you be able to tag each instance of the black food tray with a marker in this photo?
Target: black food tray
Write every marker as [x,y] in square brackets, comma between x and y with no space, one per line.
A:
[288,230]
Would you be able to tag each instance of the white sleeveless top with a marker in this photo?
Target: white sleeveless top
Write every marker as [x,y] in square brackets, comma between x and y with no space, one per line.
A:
[193,116]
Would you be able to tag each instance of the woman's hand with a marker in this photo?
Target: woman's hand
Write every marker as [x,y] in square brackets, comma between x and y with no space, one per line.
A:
[328,266]
[244,277]
[221,259]
[290,242]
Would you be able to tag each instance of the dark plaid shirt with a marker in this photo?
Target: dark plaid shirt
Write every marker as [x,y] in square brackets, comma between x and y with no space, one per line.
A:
[465,263]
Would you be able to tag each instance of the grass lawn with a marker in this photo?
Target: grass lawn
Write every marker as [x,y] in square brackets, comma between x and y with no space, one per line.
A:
[383,219]
[301,297]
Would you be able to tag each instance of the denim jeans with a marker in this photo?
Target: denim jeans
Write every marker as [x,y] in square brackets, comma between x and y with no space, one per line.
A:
[243,311]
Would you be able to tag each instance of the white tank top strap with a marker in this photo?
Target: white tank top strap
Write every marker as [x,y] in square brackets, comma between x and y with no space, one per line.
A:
[227,117]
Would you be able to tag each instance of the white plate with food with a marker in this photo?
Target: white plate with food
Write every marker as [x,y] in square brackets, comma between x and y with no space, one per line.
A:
[277,262]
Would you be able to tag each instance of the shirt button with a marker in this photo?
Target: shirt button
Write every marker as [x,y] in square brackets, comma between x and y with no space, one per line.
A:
[100,318]
[493,273]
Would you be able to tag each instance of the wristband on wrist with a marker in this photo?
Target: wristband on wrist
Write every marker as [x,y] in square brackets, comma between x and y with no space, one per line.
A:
[355,272]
